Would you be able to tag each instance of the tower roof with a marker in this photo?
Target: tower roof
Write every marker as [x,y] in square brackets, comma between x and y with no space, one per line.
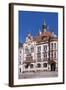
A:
[44,26]
[44,23]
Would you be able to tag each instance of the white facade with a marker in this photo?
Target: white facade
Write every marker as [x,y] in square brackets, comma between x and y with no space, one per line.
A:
[41,60]
[39,54]
[20,58]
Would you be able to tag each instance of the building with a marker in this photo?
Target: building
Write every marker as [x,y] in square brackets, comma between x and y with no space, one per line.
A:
[39,53]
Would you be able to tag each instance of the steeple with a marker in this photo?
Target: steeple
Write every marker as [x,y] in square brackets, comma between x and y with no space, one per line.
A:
[44,26]
[44,22]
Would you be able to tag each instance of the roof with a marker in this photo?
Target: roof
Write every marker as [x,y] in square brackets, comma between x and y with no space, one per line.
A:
[45,36]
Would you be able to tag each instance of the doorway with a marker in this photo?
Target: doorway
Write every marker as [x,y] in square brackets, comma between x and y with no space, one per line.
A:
[53,66]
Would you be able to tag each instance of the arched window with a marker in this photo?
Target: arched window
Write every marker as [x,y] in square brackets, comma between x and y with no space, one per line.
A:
[31,65]
[26,66]
[45,65]
[38,65]
[54,45]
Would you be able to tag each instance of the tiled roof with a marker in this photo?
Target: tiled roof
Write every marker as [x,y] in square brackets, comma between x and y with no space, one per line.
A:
[44,36]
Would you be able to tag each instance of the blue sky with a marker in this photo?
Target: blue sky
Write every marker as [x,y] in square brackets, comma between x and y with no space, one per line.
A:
[31,22]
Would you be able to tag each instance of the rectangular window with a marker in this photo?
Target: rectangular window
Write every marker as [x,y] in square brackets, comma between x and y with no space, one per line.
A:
[26,50]
[45,47]
[51,54]
[55,54]
[20,70]
[54,45]
[38,57]
[39,49]
[45,55]
[51,45]
[32,49]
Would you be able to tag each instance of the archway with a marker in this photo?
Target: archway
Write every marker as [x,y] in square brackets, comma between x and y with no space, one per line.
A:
[38,65]
[53,66]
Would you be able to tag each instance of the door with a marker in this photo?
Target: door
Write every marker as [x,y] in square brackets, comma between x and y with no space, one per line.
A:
[53,67]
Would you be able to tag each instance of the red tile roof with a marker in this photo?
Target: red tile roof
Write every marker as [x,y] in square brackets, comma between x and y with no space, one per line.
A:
[44,36]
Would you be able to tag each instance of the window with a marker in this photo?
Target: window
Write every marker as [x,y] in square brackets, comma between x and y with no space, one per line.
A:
[20,57]
[51,54]
[32,49]
[19,69]
[26,50]
[39,60]
[39,49]
[20,51]
[45,65]
[44,54]
[38,65]
[54,45]
[31,65]
[51,45]
[45,47]
[29,57]
[39,55]
[54,54]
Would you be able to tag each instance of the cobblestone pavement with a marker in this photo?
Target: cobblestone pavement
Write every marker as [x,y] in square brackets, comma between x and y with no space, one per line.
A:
[44,74]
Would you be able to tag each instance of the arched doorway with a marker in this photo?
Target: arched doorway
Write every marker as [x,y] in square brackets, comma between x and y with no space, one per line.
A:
[38,65]
[31,65]
[53,67]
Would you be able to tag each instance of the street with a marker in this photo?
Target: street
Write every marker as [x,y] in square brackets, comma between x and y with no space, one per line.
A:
[38,74]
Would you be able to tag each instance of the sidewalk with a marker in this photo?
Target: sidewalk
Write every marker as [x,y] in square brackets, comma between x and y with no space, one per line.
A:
[39,74]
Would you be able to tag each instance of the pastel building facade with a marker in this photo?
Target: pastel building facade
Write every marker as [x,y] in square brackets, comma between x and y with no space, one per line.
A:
[39,53]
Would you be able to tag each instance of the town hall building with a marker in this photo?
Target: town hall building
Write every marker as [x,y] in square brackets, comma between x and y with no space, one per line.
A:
[39,53]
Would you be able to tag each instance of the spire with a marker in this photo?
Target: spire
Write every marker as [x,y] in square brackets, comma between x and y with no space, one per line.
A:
[44,26]
[44,22]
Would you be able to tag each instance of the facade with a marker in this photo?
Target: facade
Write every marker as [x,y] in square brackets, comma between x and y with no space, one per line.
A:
[39,53]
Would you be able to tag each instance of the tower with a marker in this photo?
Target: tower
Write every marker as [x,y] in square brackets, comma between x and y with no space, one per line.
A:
[44,27]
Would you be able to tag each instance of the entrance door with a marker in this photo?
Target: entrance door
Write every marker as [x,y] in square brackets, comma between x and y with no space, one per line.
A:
[53,67]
